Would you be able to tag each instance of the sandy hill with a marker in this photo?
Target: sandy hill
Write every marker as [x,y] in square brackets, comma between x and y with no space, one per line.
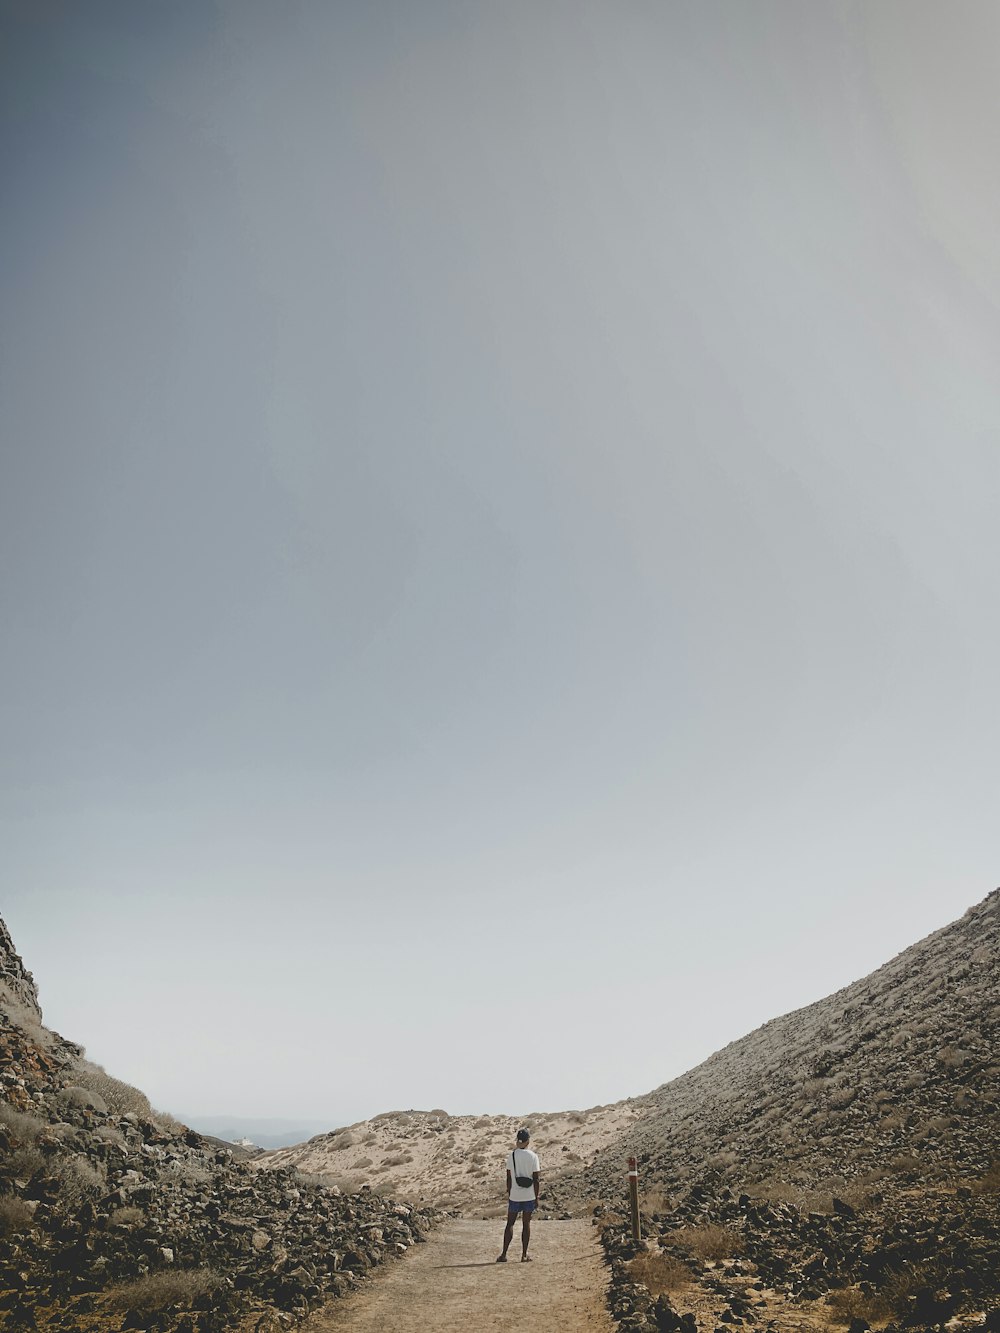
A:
[456,1162]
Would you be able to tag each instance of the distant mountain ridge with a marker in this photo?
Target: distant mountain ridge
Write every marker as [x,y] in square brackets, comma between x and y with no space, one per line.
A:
[265,1132]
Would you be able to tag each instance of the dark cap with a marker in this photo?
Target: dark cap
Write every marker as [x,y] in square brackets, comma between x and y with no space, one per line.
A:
[523,1136]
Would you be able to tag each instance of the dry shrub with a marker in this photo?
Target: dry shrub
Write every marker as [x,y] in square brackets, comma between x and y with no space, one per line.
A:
[891,1298]
[15,1216]
[812,1087]
[311,1178]
[188,1173]
[159,1291]
[709,1241]
[989,1183]
[860,1195]
[24,1164]
[655,1203]
[340,1184]
[398,1159]
[842,1098]
[78,1179]
[120,1098]
[952,1058]
[129,1216]
[849,1304]
[798,1196]
[905,1164]
[663,1274]
[767,1119]
[21,1016]
[83,1098]
[722,1160]
[23,1126]
[167,1123]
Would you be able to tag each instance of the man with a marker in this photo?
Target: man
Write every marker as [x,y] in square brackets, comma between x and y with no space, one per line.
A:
[522,1164]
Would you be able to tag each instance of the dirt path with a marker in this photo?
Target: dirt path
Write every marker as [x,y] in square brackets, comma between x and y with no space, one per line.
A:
[452,1285]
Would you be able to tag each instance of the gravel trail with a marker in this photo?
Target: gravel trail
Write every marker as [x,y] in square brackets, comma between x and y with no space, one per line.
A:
[452,1284]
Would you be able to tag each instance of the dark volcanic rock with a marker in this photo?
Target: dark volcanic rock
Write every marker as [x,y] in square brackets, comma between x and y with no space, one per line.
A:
[89,1198]
[16,979]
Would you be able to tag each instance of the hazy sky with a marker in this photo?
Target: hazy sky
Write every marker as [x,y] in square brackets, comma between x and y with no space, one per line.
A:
[499,531]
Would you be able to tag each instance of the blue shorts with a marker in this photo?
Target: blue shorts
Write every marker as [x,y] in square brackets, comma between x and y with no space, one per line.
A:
[527,1206]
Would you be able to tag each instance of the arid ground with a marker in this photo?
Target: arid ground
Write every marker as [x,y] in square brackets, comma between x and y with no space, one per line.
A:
[453,1285]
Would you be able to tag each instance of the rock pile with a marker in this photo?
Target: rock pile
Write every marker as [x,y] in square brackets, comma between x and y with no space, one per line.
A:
[939,1264]
[112,1221]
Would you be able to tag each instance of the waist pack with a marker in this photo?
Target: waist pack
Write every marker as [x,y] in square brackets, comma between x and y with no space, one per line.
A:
[525,1182]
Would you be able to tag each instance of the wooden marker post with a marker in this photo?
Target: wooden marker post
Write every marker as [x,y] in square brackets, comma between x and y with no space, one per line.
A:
[633,1198]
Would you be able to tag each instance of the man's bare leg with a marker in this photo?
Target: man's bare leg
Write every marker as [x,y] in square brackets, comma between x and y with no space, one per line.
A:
[508,1236]
[525,1234]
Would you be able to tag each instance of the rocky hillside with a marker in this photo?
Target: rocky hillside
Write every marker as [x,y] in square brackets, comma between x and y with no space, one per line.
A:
[894,1080]
[115,1217]
[20,993]
[840,1166]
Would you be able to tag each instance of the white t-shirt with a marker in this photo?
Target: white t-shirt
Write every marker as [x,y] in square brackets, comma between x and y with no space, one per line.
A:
[527,1164]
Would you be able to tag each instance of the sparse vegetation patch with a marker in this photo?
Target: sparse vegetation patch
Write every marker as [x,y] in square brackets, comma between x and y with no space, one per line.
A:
[709,1241]
[159,1291]
[661,1272]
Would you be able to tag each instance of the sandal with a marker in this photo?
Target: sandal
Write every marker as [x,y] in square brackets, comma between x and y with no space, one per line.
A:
[501,1258]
